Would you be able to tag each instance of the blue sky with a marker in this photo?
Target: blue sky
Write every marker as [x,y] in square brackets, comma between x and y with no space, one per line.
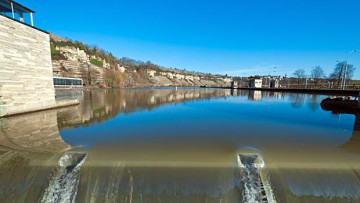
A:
[235,37]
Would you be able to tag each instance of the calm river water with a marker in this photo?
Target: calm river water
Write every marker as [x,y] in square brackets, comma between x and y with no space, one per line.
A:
[179,145]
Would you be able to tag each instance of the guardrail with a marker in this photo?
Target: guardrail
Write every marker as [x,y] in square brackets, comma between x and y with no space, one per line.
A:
[16,11]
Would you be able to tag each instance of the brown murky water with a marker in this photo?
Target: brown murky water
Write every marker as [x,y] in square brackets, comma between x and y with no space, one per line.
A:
[179,145]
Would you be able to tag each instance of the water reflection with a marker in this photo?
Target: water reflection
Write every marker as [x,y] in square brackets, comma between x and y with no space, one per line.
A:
[36,132]
[255,95]
[28,144]
[151,145]
[297,100]
[100,105]
[353,145]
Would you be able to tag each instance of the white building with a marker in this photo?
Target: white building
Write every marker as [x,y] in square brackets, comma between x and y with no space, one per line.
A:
[255,82]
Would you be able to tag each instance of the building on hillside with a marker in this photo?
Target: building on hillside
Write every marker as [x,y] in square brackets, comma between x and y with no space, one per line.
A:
[255,82]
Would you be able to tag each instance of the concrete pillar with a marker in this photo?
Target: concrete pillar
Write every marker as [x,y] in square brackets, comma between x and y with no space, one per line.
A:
[12,10]
[32,19]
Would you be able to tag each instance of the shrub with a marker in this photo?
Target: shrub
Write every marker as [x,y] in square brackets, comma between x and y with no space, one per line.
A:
[97,62]
[55,54]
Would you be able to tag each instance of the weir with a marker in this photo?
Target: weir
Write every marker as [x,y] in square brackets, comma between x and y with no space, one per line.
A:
[65,179]
[254,179]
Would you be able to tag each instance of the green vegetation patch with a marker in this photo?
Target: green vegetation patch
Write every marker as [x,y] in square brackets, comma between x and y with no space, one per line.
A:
[97,62]
[55,54]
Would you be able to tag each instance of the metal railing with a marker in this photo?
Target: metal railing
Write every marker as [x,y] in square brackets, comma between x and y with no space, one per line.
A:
[16,11]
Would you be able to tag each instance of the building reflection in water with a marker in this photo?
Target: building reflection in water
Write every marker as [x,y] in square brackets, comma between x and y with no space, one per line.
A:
[254,95]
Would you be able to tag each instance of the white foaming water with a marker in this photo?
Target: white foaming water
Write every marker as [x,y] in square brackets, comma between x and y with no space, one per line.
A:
[64,183]
[249,177]
[256,188]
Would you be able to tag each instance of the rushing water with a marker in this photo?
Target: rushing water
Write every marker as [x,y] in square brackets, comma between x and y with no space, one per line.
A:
[181,145]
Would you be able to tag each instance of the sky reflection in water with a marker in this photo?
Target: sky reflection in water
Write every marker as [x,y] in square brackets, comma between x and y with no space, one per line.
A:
[257,119]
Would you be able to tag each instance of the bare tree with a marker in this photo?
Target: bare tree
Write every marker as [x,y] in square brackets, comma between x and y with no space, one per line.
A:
[339,70]
[87,74]
[299,74]
[113,78]
[317,74]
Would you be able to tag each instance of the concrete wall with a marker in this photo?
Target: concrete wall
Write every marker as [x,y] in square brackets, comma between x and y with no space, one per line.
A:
[26,82]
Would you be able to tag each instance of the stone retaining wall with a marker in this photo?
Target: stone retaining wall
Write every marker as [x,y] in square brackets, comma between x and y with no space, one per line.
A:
[26,77]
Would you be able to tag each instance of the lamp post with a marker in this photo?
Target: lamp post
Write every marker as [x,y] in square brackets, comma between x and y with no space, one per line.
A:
[346,66]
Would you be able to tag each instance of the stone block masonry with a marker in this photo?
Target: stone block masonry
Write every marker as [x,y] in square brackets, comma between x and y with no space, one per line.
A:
[26,75]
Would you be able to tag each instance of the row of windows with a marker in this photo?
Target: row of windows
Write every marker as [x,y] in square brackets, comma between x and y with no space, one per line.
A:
[67,82]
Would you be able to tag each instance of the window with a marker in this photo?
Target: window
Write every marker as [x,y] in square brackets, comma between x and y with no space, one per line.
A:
[67,82]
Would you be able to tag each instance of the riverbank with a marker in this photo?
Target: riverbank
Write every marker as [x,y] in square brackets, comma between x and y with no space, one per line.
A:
[134,87]
[336,92]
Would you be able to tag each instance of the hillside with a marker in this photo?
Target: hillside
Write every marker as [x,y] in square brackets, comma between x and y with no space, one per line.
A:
[99,68]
